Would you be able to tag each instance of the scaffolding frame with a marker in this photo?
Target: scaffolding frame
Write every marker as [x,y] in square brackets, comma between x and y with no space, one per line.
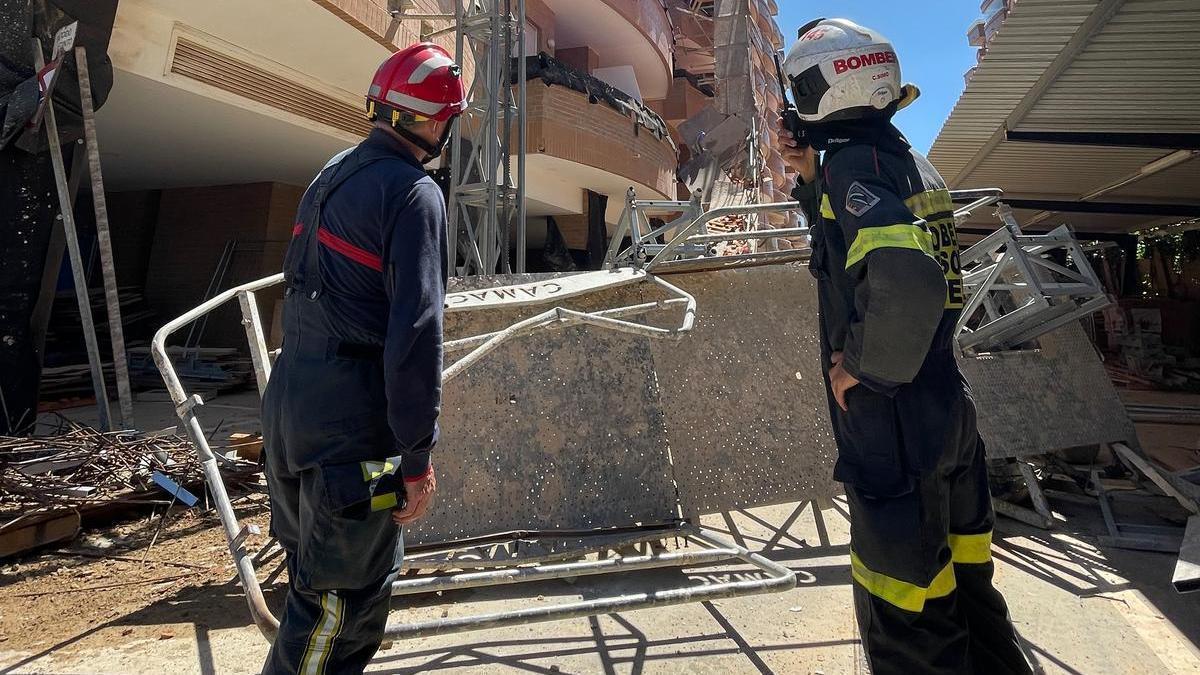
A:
[486,199]
[487,196]
[1016,291]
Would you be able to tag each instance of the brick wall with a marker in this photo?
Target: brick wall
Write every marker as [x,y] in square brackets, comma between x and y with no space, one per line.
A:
[563,124]
[133,216]
[194,226]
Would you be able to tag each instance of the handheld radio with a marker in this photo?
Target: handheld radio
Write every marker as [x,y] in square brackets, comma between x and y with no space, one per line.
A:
[789,115]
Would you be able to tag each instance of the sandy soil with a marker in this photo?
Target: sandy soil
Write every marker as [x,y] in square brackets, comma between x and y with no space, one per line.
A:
[97,608]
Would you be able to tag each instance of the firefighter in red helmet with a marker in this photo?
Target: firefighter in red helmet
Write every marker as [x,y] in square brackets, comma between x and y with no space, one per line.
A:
[350,413]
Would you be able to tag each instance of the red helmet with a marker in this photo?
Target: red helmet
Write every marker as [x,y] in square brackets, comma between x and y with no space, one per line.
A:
[422,81]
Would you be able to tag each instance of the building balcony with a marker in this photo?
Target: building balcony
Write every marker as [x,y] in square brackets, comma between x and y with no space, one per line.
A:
[629,41]
[583,135]
[975,36]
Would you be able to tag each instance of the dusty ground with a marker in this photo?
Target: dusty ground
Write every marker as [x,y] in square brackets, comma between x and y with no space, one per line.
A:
[1082,609]
[110,603]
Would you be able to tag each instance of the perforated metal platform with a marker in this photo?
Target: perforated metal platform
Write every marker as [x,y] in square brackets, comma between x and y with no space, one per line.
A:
[545,432]
[1058,396]
[744,398]
[560,430]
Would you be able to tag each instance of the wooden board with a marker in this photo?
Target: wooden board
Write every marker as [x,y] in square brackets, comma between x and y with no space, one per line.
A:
[38,531]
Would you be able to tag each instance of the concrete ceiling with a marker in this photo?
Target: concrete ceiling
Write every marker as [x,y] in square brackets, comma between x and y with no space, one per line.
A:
[555,187]
[154,135]
[159,129]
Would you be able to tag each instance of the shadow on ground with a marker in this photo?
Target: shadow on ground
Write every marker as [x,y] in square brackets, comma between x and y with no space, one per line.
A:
[1065,558]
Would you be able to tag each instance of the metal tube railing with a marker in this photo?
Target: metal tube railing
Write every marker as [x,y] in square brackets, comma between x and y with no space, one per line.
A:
[783,232]
[687,231]
[185,405]
[513,575]
[778,578]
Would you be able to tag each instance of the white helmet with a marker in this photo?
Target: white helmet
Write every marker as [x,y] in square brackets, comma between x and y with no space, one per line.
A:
[839,70]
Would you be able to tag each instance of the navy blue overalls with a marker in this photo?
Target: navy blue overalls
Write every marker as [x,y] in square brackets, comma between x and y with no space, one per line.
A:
[351,406]
[909,454]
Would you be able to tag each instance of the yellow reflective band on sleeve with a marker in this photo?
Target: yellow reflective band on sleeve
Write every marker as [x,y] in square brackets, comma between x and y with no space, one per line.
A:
[930,202]
[827,208]
[973,549]
[320,641]
[902,594]
[900,235]
[381,502]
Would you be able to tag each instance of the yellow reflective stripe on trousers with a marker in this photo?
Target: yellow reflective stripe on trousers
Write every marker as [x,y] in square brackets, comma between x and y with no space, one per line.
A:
[900,235]
[930,202]
[827,208]
[320,642]
[385,501]
[902,594]
[971,548]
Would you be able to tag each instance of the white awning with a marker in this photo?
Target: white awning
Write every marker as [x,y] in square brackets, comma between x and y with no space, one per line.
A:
[1106,67]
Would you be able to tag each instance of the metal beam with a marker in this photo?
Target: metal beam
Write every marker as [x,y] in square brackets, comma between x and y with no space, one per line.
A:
[1108,208]
[1111,139]
[486,196]
[66,216]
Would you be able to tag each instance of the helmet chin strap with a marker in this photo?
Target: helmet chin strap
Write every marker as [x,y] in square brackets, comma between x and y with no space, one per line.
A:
[432,150]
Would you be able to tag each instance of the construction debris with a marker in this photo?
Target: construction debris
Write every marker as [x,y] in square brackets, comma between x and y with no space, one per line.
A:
[66,375]
[203,370]
[1163,414]
[46,482]
[1143,360]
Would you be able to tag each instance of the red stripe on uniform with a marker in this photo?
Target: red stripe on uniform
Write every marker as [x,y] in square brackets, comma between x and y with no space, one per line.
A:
[358,255]
[336,243]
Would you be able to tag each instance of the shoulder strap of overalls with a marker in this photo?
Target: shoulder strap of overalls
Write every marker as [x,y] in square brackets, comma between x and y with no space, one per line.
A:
[302,264]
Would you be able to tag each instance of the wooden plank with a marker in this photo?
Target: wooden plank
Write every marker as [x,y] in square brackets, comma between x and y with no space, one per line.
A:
[31,534]
[1187,569]
[1155,475]
[1022,514]
[246,446]
[108,269]
[34,467]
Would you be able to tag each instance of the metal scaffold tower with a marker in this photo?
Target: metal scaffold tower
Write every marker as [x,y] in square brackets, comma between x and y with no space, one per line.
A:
[487,193]
[486,202]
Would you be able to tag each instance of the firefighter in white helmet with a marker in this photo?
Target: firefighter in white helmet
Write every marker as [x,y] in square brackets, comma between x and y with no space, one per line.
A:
[890,289]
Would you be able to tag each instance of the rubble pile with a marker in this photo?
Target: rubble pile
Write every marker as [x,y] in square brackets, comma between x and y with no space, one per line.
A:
[81,466]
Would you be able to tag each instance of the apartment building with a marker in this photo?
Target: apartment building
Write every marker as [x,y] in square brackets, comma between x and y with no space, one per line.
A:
[984,29]
[222,111]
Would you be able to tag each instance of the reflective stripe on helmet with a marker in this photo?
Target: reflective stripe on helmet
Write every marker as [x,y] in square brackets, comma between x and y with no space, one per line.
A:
[412,103]
[430,64]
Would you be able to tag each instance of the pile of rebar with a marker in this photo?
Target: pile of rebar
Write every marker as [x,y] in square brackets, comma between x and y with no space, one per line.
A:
[83,466]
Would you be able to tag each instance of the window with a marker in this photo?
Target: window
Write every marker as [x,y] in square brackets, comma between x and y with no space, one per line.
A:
[531,40]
